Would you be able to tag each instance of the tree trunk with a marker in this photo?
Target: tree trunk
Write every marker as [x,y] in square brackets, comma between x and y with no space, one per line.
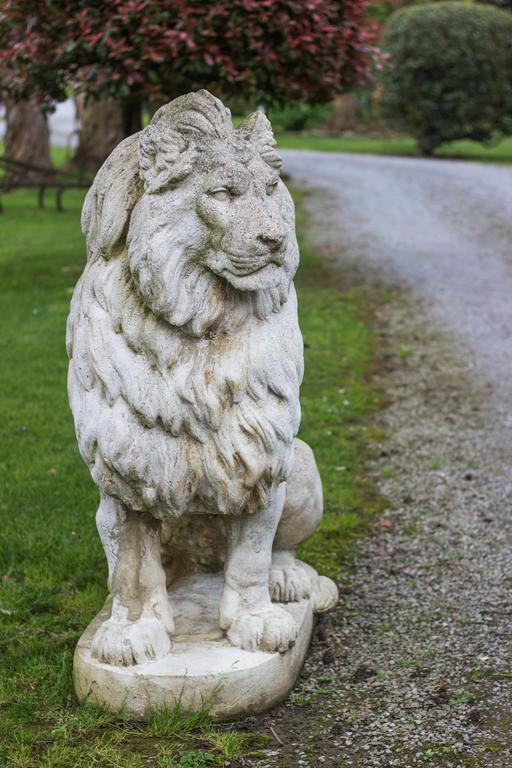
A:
[101,129]
[425,147]
[151,106]
[103,124]
[345,114]
[132,115]
[27,140]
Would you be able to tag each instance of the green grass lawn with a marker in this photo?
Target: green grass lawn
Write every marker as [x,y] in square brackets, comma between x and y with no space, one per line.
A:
[52,567]
[403,146]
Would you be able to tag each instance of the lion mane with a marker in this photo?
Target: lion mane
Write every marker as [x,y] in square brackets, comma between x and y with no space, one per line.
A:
[184,389]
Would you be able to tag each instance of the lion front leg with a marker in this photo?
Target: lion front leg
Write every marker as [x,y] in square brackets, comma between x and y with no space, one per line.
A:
[246,611]
[141,619]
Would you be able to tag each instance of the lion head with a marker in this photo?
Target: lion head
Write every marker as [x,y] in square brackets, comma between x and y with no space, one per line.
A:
[201,213]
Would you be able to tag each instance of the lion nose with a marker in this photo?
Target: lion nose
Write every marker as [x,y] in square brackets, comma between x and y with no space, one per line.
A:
[273,241]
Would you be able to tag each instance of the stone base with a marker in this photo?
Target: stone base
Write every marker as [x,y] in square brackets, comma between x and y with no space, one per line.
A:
[203,665]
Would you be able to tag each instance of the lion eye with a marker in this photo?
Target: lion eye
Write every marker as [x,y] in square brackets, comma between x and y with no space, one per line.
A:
[221,193]
[271,188]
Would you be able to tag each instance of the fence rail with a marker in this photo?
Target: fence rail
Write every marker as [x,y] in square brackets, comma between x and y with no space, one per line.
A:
[19,175]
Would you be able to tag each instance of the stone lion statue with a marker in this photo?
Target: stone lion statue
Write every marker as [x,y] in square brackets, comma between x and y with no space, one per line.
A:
[185,365]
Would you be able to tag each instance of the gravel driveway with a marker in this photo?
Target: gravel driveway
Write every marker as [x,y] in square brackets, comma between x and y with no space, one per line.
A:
[415,666]
[442,227]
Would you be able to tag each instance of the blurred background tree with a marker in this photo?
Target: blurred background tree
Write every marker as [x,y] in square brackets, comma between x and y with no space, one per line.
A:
[448,72]
[125,53]
[27,138]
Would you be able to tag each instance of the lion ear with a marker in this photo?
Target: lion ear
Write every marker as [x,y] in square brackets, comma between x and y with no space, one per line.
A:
[165,157]
[257,129]
[111,199]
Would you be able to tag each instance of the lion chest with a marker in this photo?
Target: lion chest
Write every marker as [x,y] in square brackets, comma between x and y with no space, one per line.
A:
[181,419]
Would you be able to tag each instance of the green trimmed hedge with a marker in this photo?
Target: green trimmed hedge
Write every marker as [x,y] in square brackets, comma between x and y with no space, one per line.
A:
[448,72]
[298,116]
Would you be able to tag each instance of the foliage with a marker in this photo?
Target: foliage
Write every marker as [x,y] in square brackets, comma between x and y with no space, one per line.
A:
[505,4]
[382,9]
[52,568]
[284,49]
[448,72]
[299,116]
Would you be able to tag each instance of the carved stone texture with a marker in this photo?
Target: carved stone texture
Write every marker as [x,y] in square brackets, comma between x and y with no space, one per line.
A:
[185,364]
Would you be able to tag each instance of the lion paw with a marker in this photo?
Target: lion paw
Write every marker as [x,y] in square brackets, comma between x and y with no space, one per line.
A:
[273,629]
[124,643]
[324,594]
[289,584]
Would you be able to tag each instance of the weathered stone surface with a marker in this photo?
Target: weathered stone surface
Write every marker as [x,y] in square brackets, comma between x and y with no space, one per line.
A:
[185,364]
[203,665]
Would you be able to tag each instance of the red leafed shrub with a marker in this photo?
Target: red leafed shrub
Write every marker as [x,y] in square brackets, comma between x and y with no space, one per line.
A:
[283,49]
